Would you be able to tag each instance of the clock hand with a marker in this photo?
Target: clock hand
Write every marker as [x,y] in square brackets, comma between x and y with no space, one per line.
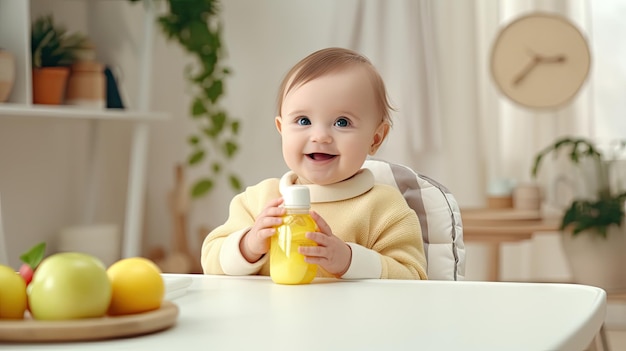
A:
[537,59]
[529,67]
[551,59]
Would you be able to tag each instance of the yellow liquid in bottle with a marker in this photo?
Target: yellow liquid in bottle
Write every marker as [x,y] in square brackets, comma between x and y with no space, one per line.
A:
[287,266]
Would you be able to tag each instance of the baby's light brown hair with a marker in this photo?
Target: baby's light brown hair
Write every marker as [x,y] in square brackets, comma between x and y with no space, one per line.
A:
[329,60]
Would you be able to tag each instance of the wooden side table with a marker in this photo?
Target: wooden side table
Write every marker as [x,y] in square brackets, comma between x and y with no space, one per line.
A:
[496,226]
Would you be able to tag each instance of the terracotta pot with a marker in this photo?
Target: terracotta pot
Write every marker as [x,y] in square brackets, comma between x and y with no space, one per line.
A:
[7,74]
[597,261]
[49,85]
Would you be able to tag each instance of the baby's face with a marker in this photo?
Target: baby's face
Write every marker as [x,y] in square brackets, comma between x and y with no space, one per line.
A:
[329,126]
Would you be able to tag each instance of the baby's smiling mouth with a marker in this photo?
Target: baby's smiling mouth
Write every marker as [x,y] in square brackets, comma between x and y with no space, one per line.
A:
[316,156]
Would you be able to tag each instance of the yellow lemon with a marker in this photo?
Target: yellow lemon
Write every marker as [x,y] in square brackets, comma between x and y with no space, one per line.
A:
[137,286]
[12,294]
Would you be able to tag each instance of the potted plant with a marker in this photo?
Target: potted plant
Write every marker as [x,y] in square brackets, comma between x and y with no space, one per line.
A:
[53,50]
[594,233]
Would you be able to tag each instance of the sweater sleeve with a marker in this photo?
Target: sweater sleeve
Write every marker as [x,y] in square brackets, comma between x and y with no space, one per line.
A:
[401,248]
[220,249]
[365,263]
[231,259]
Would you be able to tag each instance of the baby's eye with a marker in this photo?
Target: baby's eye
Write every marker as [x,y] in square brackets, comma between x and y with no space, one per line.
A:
[342,122]
[303,121]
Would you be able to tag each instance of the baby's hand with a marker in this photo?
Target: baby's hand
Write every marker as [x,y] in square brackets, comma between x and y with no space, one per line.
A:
[255,242]
[332,253]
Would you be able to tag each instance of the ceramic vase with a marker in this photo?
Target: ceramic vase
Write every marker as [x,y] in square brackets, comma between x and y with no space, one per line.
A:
[86,85]
[7,74]
[597,261]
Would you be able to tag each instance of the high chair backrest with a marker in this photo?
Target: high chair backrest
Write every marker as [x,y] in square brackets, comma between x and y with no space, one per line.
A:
[438,213]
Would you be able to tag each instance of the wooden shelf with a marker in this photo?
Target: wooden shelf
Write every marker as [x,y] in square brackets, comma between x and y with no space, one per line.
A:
[8,110]
[503,214]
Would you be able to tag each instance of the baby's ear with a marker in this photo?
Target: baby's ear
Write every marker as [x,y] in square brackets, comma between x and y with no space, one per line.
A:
[379,137]
[279,124]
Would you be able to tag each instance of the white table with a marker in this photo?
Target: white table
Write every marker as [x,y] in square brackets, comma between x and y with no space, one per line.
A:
[252,313]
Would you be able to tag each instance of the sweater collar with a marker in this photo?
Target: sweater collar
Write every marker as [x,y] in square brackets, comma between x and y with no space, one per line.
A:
[354,186]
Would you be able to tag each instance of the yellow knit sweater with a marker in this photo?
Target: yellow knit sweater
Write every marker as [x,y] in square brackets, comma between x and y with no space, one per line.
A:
[381,229]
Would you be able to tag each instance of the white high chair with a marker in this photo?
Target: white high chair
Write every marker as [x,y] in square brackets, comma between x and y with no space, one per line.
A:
[438,213]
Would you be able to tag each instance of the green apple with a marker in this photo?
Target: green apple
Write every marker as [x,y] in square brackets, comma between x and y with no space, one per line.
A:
[69,285]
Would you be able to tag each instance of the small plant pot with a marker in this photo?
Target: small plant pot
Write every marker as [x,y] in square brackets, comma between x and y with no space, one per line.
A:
[86,85]
[49,85]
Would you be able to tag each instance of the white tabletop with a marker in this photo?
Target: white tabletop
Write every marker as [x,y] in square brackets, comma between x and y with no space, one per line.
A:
[253,313]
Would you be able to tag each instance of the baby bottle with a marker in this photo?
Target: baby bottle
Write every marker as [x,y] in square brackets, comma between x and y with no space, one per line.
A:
[287,266]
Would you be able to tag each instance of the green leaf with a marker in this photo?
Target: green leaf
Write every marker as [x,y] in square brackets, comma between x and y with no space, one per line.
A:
[214,91]
[198,109]
[218,120]
[198,35]
[208,63]
[200,77]
[196,157]
[210,132]
[194,140]
[34,256]
[201,187]
[51,45]
[234,127]
[230,148]
[216,167]
[235,183]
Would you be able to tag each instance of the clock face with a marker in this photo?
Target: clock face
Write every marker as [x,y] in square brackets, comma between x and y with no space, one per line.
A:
[540,60]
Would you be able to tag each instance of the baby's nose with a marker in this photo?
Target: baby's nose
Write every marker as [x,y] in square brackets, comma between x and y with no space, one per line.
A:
[321,135]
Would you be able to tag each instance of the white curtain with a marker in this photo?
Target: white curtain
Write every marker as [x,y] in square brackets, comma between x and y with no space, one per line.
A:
[397,36]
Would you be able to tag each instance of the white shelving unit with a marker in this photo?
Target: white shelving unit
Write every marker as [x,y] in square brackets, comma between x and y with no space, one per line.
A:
[15,21]
[44,111]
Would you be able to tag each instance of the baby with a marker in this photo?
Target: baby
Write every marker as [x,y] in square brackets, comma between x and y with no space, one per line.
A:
[333,112]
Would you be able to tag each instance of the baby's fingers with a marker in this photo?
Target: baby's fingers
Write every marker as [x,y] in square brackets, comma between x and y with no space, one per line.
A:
[321,223]
[268,222]
[272,208]
[264,233]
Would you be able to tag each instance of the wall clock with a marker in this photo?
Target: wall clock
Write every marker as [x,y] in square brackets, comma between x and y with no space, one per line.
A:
[540,60]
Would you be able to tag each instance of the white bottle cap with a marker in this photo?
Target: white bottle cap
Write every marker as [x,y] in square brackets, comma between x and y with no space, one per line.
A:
[297,196]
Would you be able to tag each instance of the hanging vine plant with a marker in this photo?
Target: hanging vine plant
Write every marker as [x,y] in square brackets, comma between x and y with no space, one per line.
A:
[196,26]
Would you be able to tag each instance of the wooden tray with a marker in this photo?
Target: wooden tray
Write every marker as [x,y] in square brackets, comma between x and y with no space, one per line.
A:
[30,330]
